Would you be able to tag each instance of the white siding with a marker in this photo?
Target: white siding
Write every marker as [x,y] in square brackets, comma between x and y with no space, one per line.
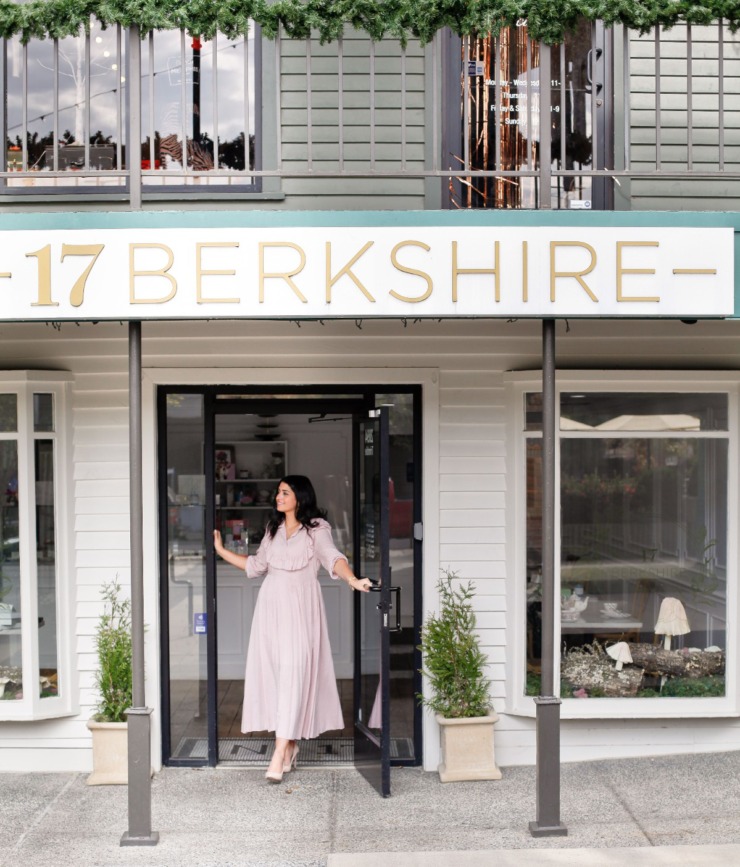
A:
[471,357]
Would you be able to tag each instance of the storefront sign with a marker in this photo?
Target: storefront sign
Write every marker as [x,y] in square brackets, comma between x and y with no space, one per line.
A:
[358,272]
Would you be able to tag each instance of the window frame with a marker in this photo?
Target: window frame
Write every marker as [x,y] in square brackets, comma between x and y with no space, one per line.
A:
[645,381]
[25,384]
[183,188]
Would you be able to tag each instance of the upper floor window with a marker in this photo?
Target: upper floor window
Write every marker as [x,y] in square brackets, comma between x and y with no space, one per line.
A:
[69,102]
[497,128]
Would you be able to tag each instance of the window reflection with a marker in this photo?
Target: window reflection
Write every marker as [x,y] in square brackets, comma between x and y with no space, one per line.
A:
[500,85]
[67,110]
[72,119]
[200,92]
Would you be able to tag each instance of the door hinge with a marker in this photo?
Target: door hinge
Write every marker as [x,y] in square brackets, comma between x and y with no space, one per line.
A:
[418,531]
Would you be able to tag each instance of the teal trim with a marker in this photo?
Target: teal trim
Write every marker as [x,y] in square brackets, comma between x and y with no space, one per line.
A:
[218,219]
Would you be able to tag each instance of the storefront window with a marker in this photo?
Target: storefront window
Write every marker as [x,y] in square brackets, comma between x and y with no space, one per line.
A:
[11,662]
[643,545]
[32,682]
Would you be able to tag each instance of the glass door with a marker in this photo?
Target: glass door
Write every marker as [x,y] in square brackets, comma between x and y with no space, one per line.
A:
[372,610]
[185,625]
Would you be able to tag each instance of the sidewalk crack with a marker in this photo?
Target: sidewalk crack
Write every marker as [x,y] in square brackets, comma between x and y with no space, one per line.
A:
[42,815]
[631,814]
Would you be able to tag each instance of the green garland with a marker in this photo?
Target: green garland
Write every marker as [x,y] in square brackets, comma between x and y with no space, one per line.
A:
[547,20]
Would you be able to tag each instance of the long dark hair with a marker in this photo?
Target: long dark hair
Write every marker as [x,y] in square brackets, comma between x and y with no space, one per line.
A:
[306,511]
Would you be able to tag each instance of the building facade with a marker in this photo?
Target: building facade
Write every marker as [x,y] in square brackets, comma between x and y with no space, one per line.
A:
[310,232]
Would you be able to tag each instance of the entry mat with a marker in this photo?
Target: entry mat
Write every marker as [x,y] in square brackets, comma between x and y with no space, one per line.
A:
[316,753]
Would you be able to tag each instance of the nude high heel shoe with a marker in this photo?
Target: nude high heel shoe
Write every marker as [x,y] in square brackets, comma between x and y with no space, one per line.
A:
[287,768]
[274,776]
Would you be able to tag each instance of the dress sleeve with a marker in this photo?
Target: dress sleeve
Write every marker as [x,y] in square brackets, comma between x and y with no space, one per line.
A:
[325,549]
[257,563]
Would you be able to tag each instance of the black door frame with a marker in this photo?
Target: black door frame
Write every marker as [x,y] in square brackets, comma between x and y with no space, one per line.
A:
[225,399]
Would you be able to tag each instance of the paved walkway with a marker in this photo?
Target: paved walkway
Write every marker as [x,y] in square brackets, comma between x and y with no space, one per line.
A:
[675,810]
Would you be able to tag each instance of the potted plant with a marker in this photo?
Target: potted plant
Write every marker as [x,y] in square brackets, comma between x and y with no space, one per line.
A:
[454,665]
[114,682]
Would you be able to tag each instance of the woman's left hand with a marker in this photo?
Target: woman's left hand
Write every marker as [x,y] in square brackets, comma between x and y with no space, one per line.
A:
[362,584]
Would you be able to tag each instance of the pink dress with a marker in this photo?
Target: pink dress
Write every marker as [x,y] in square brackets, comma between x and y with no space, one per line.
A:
[289,685]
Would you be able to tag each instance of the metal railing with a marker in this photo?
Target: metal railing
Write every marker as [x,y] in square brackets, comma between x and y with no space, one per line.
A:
[390,119]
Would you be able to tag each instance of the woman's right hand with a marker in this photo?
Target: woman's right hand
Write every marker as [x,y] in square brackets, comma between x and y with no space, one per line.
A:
[217,541]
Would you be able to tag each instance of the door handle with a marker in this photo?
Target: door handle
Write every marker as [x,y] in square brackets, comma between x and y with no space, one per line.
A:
[375,588]
[593,54]
[397,608]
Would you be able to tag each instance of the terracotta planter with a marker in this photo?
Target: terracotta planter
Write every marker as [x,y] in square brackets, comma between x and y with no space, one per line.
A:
[110,754]
[467,749]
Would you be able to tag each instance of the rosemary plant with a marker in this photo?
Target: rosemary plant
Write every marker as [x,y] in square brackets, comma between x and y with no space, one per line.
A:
[453,660]
[115,665]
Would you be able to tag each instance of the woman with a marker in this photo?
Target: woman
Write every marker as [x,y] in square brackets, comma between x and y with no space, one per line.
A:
[289,686]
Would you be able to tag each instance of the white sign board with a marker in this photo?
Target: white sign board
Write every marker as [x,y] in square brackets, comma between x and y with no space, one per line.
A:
[361,272]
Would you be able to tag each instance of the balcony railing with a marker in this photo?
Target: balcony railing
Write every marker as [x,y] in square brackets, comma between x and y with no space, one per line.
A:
[106,113]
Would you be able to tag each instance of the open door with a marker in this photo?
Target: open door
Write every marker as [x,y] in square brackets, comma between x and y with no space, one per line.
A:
[372,610]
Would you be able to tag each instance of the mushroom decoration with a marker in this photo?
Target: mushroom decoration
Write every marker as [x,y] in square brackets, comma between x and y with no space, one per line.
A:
[621,653]
[672,620]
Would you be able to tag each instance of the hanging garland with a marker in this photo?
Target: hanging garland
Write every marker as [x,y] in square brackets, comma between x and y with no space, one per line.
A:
[547,20]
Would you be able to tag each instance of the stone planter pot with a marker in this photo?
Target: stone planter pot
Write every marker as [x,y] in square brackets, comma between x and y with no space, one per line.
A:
[110,754]
[467,749]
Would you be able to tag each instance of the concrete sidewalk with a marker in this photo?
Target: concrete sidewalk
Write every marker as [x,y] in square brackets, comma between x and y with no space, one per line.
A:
[616,812]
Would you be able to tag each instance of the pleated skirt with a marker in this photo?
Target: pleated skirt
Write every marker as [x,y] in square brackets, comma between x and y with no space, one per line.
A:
[289,686]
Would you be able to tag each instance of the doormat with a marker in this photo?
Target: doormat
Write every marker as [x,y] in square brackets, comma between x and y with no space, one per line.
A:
[257,752]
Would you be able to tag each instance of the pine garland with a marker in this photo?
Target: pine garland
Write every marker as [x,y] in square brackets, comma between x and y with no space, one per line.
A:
[547,20]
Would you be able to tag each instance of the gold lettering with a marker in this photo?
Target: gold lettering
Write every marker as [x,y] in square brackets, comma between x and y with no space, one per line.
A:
[201,272]
[525,272]
[406,270]
[330,281]
[577,275]
[281,275]
[621,270]
[495,270]
[162,272]
[77,295]
[44,282]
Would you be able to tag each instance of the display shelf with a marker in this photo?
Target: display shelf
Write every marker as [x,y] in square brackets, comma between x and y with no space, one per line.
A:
[247,474]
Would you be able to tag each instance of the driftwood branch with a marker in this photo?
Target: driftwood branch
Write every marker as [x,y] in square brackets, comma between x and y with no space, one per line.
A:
[589,668]
[656,660]
[596,672]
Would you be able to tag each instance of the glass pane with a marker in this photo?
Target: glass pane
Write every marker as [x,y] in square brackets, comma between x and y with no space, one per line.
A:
[401,508]
[643,412]
[199,93]
[8,413]
[644,541]
[106,80]
[534,566]
[187,576]
[233,114]
[43,413]
[84,131]
[630,411]
[501,83]
[46,568]
[11,663]
[370,711]
[39,133]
